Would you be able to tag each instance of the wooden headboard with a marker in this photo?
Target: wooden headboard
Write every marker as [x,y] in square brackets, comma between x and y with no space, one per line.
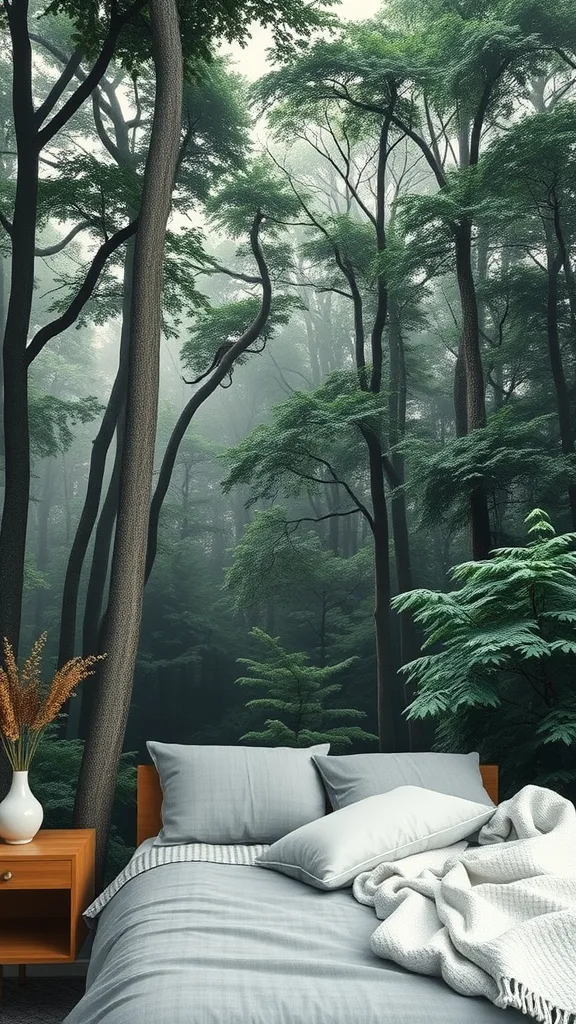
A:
[149,798]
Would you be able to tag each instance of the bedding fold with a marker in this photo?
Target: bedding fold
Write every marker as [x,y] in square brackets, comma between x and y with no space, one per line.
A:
[191,942]
[497,920]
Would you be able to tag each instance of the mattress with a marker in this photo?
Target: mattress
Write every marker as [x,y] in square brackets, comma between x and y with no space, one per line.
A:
[215,943]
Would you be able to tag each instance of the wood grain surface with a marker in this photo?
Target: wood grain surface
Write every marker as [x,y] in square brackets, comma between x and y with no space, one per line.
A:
[45,886]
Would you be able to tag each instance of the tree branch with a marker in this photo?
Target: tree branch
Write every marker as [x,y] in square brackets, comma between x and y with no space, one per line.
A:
[86,87]
[70,68]
[336,479]
[51,250]
[217,268]
[71,314]
[6,224]
[220,372]
[136,121]
[320,519]
[478,122]
[394,478]
[102,133]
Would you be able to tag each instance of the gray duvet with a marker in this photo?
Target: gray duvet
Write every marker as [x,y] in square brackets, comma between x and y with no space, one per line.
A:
[205,943]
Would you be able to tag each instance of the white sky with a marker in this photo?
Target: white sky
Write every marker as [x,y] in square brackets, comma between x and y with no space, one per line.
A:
[251,61]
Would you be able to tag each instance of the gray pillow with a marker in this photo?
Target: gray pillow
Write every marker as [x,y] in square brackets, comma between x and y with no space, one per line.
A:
[236,794]
[353,777]
[330,852]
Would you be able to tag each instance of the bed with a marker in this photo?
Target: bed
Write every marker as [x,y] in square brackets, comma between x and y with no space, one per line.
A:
[216,943]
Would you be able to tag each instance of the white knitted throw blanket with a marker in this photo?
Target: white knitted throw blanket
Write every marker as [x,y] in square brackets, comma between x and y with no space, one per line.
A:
[498,920]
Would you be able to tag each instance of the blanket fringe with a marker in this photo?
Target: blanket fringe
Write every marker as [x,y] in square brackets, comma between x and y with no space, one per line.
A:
[514,993]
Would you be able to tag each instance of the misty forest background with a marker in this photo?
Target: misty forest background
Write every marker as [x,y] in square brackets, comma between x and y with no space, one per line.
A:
[401,193]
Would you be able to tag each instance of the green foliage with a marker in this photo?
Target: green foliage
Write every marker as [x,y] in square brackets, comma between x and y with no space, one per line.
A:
[33,578]
[500,657]
[355,242]
[258,187]
[298,692]
[532,168]
[218,324]
[201,25]
[273,561]
[51,420]
[54,775]
[276,561]
[215,114]
[460,197]
[308,431]
[504,454]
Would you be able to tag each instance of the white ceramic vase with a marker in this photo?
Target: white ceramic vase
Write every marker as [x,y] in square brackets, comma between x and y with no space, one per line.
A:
[21,813]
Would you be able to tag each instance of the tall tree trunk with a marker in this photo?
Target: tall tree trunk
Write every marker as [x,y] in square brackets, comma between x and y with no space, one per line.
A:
[15,372]
[571,292]
[459,392]
[409,646]
[386,668]
[208,388]
[31,135]
[100,447]
[475,400]
[553,266]
[482,276]
[103,746]
[96,589]
[333,500]
[2,329]
[311,338]
[43,509]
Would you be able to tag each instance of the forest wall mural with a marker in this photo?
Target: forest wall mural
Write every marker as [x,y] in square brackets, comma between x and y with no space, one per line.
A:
[363,402]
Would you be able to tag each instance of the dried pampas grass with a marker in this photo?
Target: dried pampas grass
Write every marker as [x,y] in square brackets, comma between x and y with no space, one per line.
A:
[27,706]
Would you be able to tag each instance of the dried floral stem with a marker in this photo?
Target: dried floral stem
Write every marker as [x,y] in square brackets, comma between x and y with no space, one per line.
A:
[26,707]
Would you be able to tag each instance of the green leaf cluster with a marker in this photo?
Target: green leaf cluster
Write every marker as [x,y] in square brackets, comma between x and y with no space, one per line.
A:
[503,455]
[299,694]
[313,435]
[216,325]
[500,655]
[52,419]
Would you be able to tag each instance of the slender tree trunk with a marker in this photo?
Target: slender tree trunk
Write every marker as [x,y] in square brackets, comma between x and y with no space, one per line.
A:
[460,397]
[475,400]
[323,632]
[15,372]
[95,591]
[100,447]
[571,291]
[346,532]
[481,276]
[103,746]
[30,136]
[2,329]
[101,552]
[409,646]
[386,667]
[397,421]
[312,347]
[554,264]
[333,498]
[204,392]
[43,509]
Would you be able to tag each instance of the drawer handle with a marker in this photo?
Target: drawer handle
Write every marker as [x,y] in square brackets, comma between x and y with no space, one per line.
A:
[6,876]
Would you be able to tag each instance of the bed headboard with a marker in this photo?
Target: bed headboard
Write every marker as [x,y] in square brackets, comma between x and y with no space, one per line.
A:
[149,798]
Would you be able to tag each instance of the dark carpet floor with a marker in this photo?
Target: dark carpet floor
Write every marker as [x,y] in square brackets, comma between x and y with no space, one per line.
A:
[40,1000]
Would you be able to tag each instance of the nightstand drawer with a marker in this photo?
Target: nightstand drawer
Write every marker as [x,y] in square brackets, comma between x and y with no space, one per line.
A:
[35,874]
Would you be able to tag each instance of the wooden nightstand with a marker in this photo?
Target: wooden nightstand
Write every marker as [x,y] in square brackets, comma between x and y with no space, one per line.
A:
[45,886]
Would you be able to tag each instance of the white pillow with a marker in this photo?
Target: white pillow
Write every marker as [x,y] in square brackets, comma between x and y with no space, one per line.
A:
[330,852]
